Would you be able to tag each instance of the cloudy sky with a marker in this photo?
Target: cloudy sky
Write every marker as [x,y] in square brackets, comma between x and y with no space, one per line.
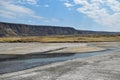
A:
[100,15]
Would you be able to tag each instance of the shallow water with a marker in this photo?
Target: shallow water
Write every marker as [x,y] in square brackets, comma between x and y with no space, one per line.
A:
[17,65]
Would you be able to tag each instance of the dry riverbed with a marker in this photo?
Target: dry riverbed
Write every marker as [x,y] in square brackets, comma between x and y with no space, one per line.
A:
[100,67]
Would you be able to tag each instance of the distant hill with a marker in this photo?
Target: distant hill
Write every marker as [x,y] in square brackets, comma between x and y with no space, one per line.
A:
[12,29]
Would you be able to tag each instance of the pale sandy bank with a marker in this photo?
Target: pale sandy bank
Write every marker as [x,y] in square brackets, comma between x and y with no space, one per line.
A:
[26,48]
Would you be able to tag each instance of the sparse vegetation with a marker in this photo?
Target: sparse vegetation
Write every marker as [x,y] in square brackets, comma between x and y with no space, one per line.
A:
[64,38]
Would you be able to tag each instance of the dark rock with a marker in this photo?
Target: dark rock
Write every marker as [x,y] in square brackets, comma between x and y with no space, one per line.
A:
[12,29]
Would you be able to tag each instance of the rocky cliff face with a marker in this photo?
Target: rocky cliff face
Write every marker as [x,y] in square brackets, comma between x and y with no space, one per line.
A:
[10,29]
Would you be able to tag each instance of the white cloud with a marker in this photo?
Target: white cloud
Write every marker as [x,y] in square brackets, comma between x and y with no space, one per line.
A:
[46,5]
[15,8]
[105,12]
[31,2]
[7,14]
[84,2]
[11,10]
[68,4]
[37,17]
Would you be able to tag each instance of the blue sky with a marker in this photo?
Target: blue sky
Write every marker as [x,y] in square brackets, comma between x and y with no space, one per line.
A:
[100,15]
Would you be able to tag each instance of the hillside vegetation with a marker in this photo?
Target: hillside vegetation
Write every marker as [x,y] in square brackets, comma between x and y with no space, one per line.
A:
[64,38]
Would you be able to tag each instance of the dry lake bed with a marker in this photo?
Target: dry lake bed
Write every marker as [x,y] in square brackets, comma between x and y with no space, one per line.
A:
[60,61]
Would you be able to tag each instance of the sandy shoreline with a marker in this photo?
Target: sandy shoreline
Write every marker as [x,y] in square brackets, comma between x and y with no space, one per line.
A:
[16,51]
[27,48]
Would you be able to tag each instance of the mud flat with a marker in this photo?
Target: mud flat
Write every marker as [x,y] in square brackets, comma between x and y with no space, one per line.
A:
[99,67]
